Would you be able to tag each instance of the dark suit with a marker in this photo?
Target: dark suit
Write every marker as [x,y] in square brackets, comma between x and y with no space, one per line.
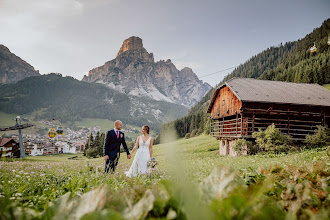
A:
[112,149]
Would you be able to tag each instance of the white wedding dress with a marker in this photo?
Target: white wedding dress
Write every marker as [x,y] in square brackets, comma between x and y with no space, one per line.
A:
[140,162]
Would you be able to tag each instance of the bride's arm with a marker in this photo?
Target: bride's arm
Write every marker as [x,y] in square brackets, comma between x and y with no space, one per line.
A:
[150,146]
[136,145]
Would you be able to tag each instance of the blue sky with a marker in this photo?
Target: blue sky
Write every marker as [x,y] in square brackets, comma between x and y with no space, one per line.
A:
[73,36]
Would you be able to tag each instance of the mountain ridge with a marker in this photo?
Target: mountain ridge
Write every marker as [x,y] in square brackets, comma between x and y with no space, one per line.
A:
[69,99]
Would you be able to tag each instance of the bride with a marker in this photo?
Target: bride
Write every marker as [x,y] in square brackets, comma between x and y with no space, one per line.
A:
[143,146]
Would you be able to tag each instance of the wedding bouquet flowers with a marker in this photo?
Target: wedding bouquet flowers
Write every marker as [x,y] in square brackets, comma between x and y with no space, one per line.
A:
[152,162]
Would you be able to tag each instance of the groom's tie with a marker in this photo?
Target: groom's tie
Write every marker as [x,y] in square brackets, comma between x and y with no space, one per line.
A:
[117,134]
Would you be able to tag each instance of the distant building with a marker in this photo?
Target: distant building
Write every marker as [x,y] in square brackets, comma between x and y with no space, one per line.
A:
[37,150]
[9,148]
[64,147]
[79,147]
[241,106]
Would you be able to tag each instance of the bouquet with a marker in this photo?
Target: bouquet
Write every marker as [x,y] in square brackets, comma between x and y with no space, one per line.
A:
[152,162]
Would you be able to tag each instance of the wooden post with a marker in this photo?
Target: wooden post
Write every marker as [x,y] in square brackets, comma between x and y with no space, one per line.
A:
[241,125]
[253,121]
[288,124]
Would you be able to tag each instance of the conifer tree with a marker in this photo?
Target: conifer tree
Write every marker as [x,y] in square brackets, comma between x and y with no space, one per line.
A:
[96,142]
[101,144]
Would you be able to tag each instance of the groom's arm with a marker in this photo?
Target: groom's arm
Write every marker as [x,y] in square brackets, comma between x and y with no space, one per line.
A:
[125,145]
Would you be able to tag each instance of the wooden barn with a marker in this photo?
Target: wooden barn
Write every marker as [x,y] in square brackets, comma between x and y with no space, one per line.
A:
[241,106]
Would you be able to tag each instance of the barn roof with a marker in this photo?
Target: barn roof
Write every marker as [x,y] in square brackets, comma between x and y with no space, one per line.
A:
[266,91]
[4,141]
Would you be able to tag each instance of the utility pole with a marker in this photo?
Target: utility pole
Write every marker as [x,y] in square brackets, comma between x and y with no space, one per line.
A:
[21,147]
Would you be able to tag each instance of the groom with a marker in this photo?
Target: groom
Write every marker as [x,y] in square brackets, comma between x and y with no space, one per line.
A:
[111,149]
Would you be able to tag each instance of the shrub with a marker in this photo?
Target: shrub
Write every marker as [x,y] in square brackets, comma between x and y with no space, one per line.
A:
[320,138]
[272,140]
[193,133]
[187,136]
[239,143]
[92,152]
[199,132]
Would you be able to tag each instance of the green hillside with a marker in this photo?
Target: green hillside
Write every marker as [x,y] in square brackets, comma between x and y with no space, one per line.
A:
[292,62]
[69,100]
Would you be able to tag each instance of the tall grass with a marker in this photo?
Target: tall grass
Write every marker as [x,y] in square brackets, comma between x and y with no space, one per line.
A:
[191,182]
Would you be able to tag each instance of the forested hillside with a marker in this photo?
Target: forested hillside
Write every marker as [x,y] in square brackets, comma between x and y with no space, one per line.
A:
[70,100]
[292,62]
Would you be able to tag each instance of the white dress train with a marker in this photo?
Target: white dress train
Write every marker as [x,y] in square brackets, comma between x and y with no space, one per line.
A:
[140,162]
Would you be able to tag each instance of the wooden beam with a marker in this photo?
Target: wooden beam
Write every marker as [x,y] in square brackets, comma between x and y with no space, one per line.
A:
[236,123]
[268,111]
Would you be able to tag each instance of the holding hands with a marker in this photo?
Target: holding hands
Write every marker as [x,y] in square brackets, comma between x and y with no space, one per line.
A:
[106,157]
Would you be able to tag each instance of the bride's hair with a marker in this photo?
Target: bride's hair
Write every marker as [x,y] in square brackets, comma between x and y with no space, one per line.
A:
[147,128]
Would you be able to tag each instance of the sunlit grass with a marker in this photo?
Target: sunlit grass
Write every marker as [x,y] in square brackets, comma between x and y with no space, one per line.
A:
[327,86]
[183,166]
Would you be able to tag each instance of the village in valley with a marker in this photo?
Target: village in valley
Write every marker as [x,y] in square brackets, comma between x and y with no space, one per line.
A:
[72,141]
[36,144]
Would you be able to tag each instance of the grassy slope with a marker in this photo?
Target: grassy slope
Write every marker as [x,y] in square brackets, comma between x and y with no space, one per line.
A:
[327,86]
[200,155]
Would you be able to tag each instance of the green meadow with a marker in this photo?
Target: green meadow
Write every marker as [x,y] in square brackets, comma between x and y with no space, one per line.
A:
[191,181]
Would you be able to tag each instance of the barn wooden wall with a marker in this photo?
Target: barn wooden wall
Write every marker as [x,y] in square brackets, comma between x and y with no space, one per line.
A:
[226,104]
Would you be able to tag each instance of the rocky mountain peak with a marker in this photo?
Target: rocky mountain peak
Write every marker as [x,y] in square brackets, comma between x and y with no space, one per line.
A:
[13,68]
[130,44]
[3,48]
[135,72]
